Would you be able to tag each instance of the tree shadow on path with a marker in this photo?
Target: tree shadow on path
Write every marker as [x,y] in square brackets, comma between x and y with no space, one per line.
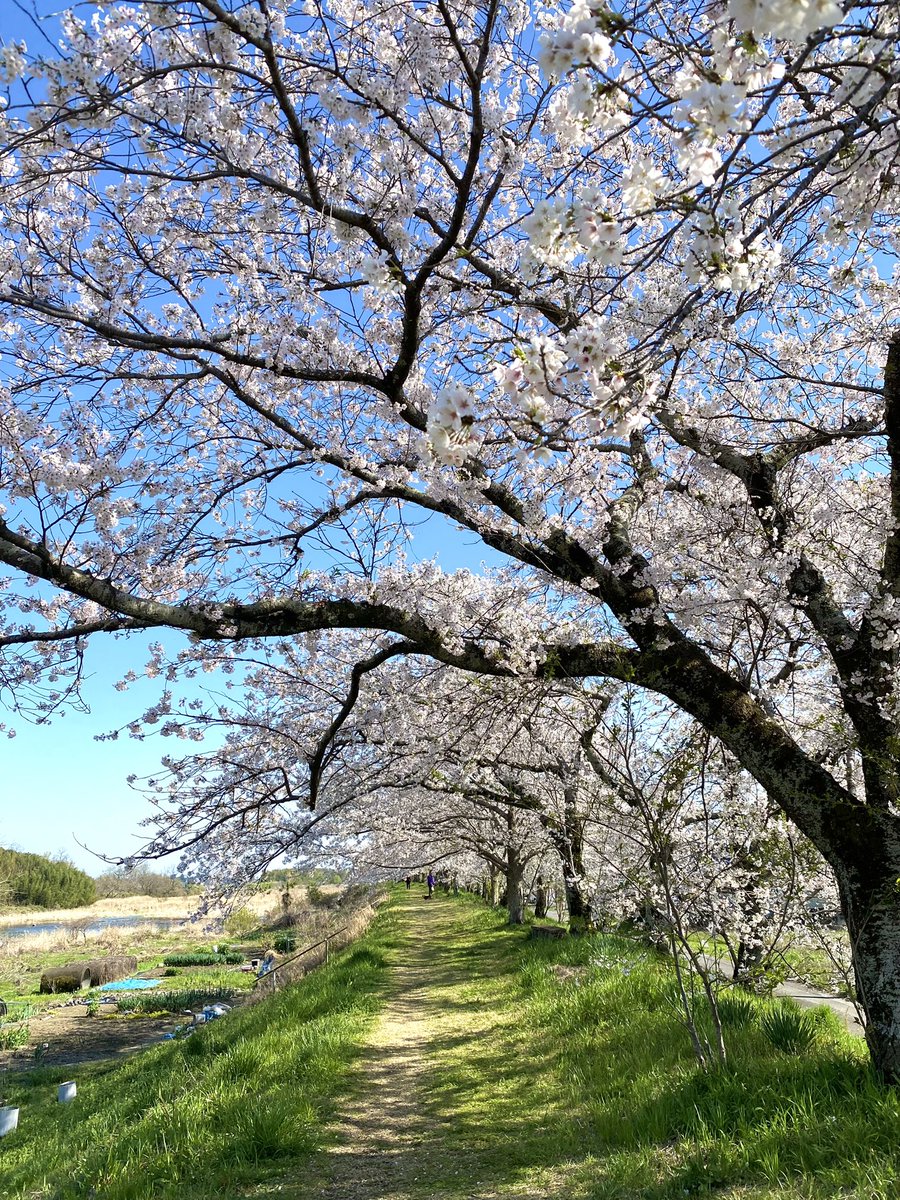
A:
[435,1107]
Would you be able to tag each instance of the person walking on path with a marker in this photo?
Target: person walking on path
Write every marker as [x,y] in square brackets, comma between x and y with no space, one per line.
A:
[408,882]
[430,882]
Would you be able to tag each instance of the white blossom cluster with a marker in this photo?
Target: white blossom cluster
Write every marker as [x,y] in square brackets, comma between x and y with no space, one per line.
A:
[537,380]
[559,231]
[583,109]
[793,20]
[725,256]
[575,39]
[451,417]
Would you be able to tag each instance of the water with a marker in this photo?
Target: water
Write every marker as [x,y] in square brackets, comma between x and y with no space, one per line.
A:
[97,926]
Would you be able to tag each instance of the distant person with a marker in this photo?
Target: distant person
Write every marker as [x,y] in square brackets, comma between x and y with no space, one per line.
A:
[408,882]
[430,882]
[268,962]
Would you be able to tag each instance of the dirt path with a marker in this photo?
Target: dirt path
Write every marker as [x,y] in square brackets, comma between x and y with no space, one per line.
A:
[435,1108]
[382,1140]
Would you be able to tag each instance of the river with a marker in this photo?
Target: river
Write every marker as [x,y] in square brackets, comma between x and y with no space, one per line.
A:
[96,925]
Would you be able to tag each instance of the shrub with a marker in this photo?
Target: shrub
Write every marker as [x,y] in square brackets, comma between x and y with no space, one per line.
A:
[317,897]
[789,1028]
[736,1010]
[174,1001]
[241,922]
[284,943]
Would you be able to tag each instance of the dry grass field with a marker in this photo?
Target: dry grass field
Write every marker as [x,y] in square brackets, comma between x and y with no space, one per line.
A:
[153,908]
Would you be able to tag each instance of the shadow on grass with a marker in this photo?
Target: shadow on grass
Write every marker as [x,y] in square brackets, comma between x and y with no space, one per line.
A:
[587,1087]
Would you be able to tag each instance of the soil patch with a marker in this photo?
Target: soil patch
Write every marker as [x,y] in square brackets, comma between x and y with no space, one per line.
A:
[64,1036]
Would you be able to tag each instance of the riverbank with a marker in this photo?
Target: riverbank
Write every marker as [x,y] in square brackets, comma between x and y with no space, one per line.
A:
[209,1116]
[149,907]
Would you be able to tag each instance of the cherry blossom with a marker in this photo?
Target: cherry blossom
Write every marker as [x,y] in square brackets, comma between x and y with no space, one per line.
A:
[613,294]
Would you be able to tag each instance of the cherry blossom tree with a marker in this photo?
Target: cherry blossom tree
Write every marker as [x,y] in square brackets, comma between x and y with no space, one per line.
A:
[418,766]
[612,290]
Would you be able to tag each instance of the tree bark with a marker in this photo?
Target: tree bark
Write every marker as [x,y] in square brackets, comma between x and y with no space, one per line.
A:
[870,899]
[567,836]
[579,907]
[494,887]
[540,898]
[515,893]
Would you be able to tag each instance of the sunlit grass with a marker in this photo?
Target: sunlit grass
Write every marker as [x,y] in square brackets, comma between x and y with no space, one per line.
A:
[556,1069]
[198,1118]
[581,1083]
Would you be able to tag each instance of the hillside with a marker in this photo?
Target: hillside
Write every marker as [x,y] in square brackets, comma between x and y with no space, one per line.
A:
[447,1057]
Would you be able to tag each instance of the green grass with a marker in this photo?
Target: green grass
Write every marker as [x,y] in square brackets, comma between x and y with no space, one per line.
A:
[201,1118]
[555,1069]
[13,1035]
[165,1000]
[580,1082]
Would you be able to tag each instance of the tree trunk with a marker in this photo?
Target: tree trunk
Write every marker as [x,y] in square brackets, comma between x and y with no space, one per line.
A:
[747,962]
[495,877]
[515,893]
[579,907]
[860,841]
[871,904]
[567,836]
[540,898]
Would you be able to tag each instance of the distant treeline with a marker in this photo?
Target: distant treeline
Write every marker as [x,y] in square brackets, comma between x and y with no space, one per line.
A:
[294,877]
[139,883]
[33,879]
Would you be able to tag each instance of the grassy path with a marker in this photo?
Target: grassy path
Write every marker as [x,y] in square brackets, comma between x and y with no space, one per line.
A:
[435,1107]
[445,1056]
[382,1132]
[501,1069]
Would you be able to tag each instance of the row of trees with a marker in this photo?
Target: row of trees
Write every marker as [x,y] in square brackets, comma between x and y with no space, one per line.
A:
[615,808]
[612,294]
[138,882]
[32,879]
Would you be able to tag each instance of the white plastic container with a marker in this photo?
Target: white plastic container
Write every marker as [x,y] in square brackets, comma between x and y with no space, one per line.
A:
[66,1091]
[9,1119]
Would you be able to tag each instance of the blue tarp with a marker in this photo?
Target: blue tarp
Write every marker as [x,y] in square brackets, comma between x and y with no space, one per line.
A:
[129,985]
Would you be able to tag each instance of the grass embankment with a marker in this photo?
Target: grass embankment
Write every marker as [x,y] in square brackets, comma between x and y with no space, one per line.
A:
[552,1068]
[219,975]
[200,1118]
[21,967]
[561,1068]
